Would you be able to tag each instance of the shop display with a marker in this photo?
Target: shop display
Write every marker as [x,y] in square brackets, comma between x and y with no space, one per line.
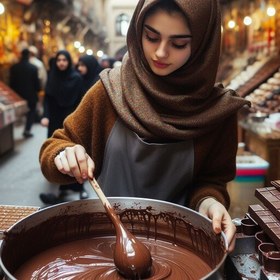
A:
[12,107]
[240,80]
[258,125]
[257,250]
[260,84]
[261,76]
[266,98]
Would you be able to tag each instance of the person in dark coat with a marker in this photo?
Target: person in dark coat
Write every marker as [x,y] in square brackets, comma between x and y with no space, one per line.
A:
[107,62]
[89,68]
[64,91]
[24,80]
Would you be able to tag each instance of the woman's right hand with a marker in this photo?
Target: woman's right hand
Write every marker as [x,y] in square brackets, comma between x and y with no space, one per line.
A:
[75,162]
[45,122]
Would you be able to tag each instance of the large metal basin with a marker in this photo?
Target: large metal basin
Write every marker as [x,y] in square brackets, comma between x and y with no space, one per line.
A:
[86,218]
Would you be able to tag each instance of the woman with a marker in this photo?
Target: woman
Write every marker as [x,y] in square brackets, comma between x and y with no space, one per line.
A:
[89,69]
[63,93]
[158,127]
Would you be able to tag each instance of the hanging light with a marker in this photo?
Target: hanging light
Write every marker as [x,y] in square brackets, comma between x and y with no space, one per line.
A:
[81,49]
[2,9]
[247,20]
[100,53]
[270,11]
[77,44]
[89,52]
[231,24]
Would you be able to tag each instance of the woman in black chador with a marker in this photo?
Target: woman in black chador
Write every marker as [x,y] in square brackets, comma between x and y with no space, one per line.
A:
[89,68]
[63,93]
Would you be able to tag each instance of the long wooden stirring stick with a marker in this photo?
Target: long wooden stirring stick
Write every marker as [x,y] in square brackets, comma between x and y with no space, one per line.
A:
[100,193]
[131,257]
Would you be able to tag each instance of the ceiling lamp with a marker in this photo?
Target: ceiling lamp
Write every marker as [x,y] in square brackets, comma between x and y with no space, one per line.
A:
[247,20]
[271,11]
[2,9]
[231,24]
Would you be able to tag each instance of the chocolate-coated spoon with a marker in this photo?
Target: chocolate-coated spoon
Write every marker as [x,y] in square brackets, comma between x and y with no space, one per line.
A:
[131,257]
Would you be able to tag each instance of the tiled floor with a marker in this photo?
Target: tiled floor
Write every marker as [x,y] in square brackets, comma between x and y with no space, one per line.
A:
[21,180]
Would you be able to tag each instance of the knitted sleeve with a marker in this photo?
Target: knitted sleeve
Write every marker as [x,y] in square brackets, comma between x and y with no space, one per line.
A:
[89,125]
[215,163]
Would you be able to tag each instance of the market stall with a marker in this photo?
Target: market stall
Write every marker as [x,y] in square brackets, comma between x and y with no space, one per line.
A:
[12,107]
[258,128]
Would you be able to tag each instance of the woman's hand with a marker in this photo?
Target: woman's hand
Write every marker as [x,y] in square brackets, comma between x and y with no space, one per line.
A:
[75,162]
[45,122]
[221,219]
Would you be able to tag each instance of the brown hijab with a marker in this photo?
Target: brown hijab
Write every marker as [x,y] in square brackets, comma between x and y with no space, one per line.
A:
[185,103]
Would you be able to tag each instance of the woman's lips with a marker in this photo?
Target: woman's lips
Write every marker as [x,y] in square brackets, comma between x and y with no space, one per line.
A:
[159,64]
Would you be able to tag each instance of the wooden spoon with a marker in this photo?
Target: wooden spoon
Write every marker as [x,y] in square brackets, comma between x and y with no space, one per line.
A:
[131,257]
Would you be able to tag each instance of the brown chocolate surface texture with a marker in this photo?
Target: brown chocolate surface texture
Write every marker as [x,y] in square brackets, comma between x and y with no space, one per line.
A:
[268,216]
[83,245]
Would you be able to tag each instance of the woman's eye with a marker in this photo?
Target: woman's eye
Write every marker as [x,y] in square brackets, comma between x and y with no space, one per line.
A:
[151,39]
[179,46]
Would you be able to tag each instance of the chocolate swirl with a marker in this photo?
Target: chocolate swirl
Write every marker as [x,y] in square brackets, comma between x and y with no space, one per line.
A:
[93,259]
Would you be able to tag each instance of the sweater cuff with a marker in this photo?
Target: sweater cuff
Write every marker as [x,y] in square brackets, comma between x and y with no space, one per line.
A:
[201,200]
[203,193]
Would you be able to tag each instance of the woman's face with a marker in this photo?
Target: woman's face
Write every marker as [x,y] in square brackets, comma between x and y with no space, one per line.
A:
[82,68]
[166,41]
[62,62]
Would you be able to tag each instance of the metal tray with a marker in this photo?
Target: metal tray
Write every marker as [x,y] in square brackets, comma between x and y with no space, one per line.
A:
[243,262]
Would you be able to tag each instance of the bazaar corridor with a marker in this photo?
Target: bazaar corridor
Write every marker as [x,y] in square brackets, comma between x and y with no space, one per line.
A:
[21,180]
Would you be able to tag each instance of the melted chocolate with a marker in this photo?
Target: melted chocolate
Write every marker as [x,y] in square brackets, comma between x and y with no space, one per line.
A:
[93,259]
[81,246]
[131,257]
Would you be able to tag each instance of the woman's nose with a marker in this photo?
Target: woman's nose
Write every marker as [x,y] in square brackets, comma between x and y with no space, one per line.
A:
[162,50]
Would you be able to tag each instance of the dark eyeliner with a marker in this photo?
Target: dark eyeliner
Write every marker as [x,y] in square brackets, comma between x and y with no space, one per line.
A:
[180,46]
[150,38]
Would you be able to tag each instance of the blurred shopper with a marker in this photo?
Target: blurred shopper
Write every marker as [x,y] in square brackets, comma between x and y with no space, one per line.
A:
[42,72]
[24,80]
[89,68]
[107,62]
[63,93]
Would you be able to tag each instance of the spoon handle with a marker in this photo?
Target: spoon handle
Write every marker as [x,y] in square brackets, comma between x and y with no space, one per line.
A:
[100,193]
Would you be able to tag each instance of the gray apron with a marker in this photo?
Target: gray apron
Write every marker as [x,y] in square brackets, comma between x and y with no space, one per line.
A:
[135,168]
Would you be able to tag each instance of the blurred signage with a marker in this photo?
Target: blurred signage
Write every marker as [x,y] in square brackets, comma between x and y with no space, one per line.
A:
[25,2]
[9,116]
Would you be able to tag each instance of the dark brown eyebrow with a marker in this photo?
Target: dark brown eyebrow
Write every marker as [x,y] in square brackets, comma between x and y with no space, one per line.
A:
[172,36]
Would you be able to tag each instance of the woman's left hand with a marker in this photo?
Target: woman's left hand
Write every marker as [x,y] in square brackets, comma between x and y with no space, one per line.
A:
[221,219]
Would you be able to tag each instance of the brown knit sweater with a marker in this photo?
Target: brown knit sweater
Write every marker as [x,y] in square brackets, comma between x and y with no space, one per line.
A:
[90,126]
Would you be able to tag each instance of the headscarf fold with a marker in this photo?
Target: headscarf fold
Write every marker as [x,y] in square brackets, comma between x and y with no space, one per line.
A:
[184,104]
